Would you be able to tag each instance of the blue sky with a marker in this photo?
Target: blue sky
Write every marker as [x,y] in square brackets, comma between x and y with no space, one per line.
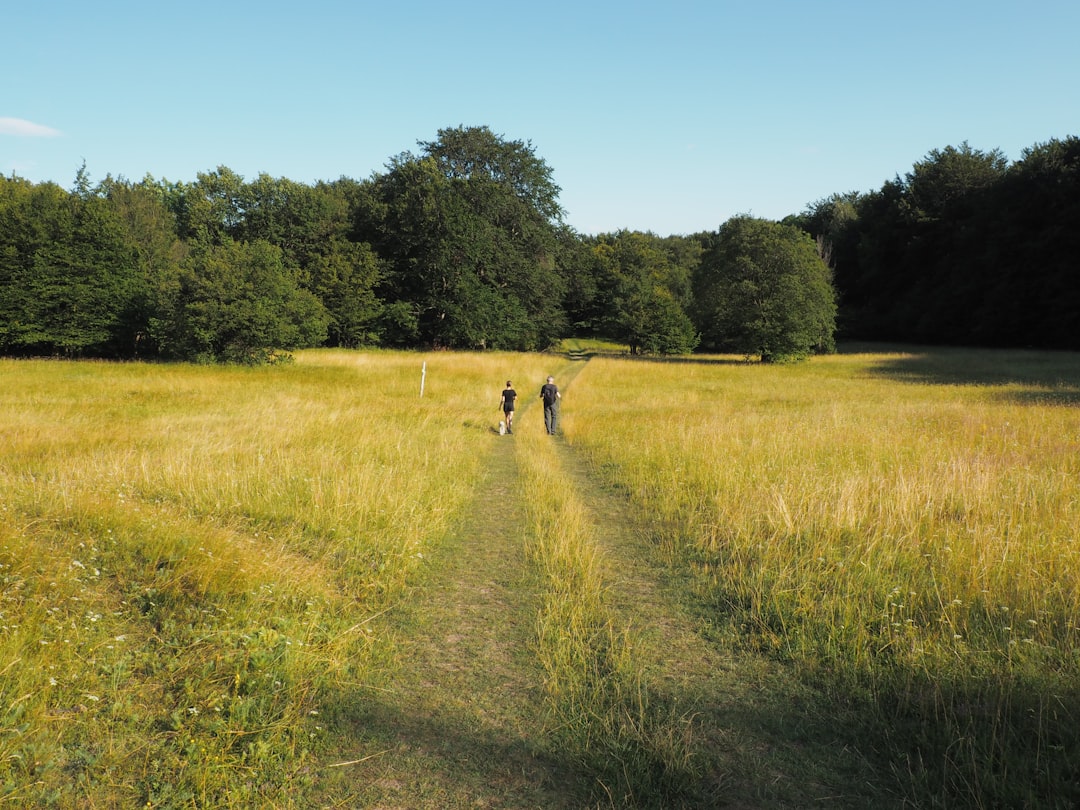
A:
[666,116]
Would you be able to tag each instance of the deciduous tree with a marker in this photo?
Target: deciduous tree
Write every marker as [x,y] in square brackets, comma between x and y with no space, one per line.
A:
[237,302]
[763,289]
[468,233]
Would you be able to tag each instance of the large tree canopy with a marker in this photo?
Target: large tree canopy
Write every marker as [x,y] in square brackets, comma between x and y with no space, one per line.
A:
[69,273]
[963,249]
[642,286]
[468,231]
[763,289]
[237,302]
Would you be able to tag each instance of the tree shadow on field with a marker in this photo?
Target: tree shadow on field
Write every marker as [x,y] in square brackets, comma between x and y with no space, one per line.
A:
[420,757]
[1034,377]
[682,359]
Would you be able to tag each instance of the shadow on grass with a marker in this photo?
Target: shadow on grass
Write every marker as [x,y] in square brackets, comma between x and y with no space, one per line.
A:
[673,359]
[417,757]
[988,742]
[1033,377]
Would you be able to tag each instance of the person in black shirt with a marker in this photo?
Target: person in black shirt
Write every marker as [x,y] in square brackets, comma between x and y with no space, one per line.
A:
[549,392]
[509,396]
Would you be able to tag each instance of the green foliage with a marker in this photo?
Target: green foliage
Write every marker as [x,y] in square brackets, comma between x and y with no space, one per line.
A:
[236,302]
[964,249]
[763,289]
[468,231]
[344,279]
[656,324]
[68,273]
[462,245]
[642,283]
[151,231]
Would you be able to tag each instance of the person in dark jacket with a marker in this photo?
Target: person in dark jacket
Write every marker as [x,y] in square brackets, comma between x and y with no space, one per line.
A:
[549,392]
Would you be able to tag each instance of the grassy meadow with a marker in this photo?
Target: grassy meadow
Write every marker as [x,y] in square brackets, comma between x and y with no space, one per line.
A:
[191,559]
[901,527]
[601,708]
[194,561]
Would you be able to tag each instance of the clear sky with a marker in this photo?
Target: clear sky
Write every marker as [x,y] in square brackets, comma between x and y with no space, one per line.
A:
[667,116]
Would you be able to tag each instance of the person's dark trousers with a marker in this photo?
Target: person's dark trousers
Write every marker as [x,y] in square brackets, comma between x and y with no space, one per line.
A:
[551,416]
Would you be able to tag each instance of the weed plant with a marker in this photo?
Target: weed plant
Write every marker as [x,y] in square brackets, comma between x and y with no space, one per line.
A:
[899,526]
[190,559]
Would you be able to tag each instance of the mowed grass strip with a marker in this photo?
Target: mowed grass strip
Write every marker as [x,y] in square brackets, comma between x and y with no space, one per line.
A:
[898,526]
[635,744]
[190,559]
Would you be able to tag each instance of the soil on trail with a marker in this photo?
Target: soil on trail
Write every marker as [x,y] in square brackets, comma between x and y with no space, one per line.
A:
[460,719]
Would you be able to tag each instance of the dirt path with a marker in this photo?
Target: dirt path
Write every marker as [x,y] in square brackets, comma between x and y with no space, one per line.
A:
[459,722]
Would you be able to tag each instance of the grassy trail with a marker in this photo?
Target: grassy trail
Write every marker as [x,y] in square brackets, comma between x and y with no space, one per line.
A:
[460,719]
[753,731]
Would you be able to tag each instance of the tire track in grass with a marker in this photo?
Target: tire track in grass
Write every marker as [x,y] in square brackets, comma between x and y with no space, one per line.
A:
[748,711]
[458,722]
[459,719]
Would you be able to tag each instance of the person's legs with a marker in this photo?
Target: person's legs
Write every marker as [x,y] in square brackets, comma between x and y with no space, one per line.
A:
[549,419]
[509,421]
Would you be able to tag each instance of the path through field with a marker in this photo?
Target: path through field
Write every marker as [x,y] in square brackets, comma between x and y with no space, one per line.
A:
[460,720]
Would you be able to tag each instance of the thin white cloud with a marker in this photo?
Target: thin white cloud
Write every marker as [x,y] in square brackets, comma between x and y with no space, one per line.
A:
[26,129]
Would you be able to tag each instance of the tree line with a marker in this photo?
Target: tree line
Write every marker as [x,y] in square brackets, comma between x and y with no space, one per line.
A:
[462,244]
[963,249]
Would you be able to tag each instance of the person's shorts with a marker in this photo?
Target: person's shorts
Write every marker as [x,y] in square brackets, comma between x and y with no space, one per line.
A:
[508,410]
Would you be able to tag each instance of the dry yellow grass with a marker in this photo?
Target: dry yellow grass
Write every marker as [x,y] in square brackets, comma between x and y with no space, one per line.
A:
[902,524]
[190,557]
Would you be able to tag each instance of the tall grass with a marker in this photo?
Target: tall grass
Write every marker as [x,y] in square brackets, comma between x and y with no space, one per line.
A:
[902,527]
[190,559]
[601,707]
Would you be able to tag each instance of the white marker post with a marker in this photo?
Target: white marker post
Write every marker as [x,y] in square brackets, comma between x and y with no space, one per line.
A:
[423,375]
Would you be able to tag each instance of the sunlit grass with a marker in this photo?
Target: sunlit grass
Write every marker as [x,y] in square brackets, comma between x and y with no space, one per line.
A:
[591,346]
[902,527]
[602,710]
[190,558]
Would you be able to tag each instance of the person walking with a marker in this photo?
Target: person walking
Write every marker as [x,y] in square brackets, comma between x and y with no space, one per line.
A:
[549,392]
[509,397]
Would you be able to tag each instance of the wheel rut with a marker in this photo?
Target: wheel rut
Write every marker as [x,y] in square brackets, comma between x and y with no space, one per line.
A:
[458,721]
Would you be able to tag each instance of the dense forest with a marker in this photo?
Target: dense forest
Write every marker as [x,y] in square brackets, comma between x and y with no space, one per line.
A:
[463,244]
[964,249]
